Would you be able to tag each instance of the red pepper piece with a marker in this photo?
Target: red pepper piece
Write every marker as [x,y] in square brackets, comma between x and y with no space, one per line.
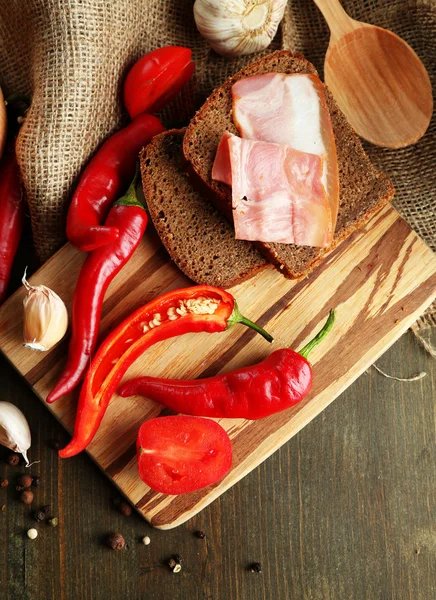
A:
[11,216]
[278,382]
[182,454]
[104,179]
[156,78]
[187,310]
[97,272]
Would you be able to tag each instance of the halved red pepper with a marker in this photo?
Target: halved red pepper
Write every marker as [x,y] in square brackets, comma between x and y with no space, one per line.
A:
[187,310]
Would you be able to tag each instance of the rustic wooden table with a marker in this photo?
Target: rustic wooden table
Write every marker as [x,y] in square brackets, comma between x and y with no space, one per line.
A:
[344,511]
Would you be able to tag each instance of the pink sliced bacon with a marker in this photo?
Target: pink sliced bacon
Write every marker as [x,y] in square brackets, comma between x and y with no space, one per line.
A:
[290,110]
[277,193]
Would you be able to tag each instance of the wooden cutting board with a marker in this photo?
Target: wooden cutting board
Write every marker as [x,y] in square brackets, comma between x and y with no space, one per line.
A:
[379,280]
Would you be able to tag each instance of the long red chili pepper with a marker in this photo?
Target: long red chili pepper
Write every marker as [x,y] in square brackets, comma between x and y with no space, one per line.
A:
[97,272]
[11,215]
[103,181]
[188,310]
[276,383]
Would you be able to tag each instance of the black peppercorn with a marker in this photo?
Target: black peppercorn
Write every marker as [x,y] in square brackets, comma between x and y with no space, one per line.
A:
[124,508]
[255,568]
[26,497]
[39,515]
[4,482]
[13,459]
[116,541]
[200,534]
[25,481]
[36,482]
[46,508]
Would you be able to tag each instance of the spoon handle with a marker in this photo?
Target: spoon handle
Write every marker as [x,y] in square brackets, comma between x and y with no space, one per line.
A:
[337,19]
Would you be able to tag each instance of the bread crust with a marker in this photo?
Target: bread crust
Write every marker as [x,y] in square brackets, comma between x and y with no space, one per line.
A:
[195,234]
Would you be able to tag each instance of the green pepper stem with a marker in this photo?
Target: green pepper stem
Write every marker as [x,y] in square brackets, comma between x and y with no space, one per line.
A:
[236,317]
[130,198]
[319,336]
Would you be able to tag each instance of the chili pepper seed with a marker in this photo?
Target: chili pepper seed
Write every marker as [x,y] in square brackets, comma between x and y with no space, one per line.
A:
[54,522]
[177,568]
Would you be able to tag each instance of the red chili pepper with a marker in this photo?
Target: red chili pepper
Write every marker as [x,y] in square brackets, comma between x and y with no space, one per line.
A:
[276,383]
[97,272]
[104,179]
[156,78]
[198,308]
[11,216]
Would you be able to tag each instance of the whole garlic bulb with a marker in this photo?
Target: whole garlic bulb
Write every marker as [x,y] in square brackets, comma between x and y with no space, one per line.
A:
[45,317]
[237,27]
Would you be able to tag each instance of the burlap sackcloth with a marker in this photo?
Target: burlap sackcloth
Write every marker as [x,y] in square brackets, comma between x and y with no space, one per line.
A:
[70,57]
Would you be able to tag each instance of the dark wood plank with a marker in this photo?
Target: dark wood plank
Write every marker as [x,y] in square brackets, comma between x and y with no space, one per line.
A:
[344,510]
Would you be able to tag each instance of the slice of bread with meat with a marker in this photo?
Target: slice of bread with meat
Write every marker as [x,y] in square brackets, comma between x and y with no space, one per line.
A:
[363,189]
[196,235]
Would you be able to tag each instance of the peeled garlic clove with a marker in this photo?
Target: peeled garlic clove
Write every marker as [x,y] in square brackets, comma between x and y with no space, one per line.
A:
[14,429]
[237,27]
[45,317]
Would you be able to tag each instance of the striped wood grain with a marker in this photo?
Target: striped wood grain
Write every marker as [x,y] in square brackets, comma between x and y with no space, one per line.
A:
[379,280]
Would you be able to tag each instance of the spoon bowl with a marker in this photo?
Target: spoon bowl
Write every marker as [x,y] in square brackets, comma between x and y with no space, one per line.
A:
[377,79]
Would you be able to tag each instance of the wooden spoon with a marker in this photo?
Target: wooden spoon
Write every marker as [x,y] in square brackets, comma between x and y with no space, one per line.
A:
[377,79]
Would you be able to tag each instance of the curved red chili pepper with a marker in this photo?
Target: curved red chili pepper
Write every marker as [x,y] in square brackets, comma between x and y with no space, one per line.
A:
[97,272]
[188,310]
[11,216]
[278,382]
[104,180]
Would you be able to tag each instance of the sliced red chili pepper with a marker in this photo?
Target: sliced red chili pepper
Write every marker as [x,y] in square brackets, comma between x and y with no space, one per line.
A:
[104,179]
[198,308]
[177,454]
[156,78]
[283,379]
[11,215]
[99,269]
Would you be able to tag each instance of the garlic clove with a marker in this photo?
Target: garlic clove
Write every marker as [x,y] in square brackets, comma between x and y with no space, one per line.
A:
[14,429]
[238,27]
[45,317]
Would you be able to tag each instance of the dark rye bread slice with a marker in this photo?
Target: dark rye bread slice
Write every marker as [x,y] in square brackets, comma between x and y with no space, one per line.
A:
[196,235]
[363,189]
